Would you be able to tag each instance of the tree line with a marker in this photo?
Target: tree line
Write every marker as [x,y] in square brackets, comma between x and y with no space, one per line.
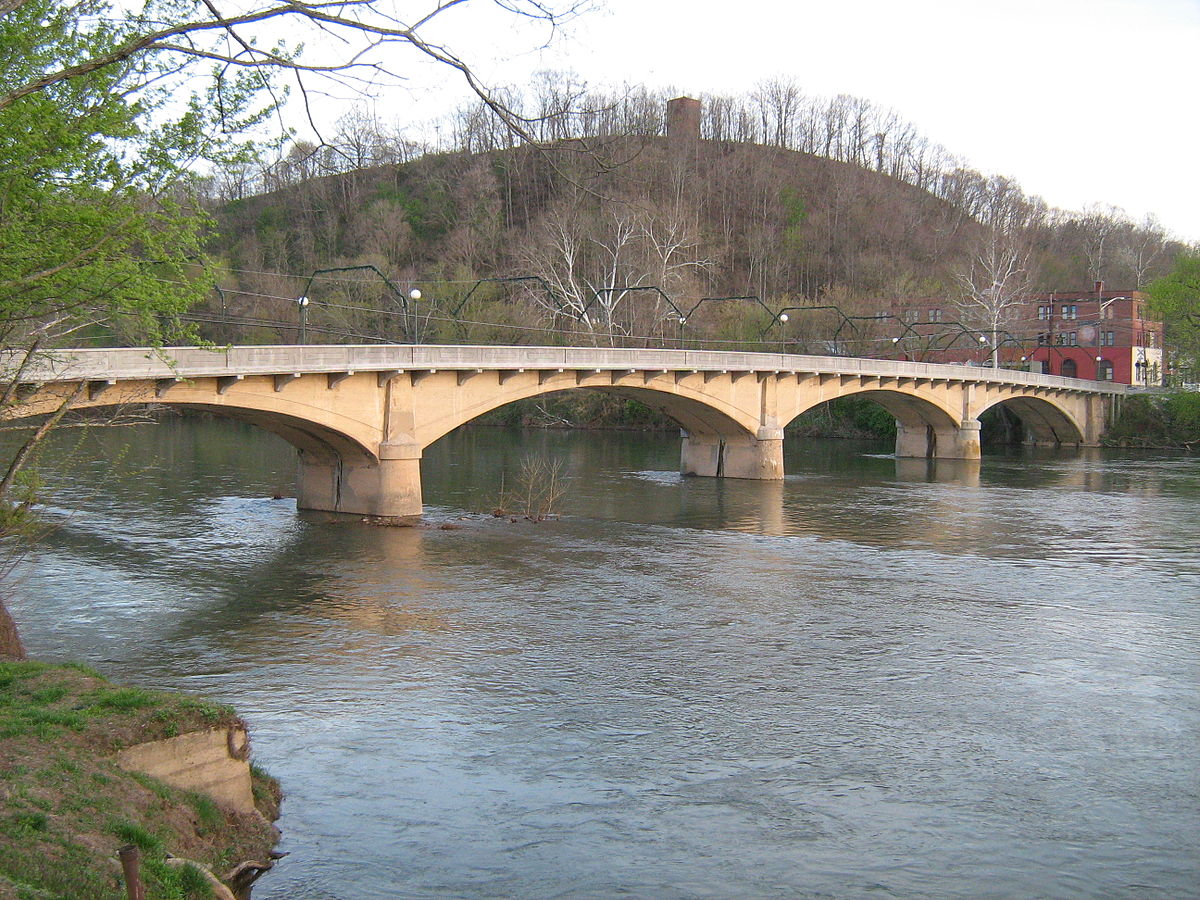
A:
[792,199]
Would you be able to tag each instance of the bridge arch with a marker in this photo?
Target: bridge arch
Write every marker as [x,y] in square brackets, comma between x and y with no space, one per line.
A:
[318,433]
[315,442]
[722,423]
[1045,421]
[696,413]
[925,426]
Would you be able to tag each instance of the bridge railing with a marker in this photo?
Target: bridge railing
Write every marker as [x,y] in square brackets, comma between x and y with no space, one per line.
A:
[193,362]
[359,304]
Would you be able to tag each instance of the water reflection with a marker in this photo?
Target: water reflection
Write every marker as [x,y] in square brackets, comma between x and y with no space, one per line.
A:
[884,677]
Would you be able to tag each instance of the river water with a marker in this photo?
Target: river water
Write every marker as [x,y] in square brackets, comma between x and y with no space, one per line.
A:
[878,678]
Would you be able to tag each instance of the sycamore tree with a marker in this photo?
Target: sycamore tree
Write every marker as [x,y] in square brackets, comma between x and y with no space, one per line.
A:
[108,112]
[999,269]
[1176,297]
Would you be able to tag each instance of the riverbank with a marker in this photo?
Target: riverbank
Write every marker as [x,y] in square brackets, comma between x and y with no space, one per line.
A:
[66,806]
[1157,422]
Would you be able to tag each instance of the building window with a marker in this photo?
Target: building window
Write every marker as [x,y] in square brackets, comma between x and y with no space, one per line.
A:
[1108,339]
[1043,339]
[1069,368]
[1150,338]
[935,315]
[1045,312]
[1072,339]
[1060,339]
[911,315]
[1069,311]
[1104,370]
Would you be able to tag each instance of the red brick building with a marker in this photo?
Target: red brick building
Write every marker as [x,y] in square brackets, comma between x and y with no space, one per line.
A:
[1098,334]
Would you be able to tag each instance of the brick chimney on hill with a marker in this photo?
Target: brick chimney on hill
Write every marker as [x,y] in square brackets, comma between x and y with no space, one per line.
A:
[683,122]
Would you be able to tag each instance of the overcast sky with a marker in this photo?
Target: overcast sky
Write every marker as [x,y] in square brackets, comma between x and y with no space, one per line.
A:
[1082,101]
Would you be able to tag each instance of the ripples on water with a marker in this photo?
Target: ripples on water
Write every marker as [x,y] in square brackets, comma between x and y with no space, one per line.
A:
[878,678]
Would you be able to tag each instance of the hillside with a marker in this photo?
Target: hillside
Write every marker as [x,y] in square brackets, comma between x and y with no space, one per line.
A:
[695,219]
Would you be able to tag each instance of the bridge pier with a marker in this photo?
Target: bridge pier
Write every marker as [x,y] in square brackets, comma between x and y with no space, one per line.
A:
[925,441]
[734,456]
[390,487]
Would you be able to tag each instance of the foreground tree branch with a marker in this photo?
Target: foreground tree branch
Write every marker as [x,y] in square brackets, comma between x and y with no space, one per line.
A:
[369,32]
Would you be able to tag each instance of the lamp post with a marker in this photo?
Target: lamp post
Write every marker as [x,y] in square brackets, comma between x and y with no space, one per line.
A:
[682,324]
[414,295]
[302,303]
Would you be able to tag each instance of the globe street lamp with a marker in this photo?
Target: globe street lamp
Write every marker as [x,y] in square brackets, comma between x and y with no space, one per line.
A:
[414,295]
[302,303]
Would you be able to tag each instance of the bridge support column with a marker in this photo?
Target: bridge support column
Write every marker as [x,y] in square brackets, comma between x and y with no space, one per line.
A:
[915,441]
[730,456]
[1095,419]
[390,487]
[925,441]
[967,444]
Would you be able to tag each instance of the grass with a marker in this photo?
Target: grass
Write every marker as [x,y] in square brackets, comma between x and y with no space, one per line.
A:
[66,807]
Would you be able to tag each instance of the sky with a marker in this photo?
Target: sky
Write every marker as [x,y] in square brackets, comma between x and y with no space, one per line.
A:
[1082,101]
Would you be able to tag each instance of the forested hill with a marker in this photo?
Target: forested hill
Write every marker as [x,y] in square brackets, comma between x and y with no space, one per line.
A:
[699,218]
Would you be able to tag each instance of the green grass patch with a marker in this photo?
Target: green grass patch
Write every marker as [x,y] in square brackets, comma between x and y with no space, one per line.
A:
[21,824]
[122,699]
[206,810]
[132,833]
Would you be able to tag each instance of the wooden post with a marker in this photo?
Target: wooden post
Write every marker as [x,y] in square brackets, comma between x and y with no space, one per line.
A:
[131,859]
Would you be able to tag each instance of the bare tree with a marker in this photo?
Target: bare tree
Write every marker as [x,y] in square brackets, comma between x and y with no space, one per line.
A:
[999,271]
[1100,225]
[369,34]
[1140,247]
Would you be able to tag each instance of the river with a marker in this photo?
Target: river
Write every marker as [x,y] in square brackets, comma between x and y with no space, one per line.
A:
[878,678]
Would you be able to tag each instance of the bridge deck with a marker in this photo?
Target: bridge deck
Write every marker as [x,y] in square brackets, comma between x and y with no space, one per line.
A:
[195,362]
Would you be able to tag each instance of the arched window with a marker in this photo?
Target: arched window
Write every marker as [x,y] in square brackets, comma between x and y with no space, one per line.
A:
[1069,369]
[1104,370]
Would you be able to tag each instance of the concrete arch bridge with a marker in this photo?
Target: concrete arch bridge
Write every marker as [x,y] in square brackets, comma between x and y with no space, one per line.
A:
[361,416]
